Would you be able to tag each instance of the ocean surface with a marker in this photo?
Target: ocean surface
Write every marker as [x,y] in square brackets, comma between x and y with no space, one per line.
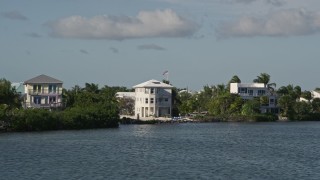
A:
[166,151]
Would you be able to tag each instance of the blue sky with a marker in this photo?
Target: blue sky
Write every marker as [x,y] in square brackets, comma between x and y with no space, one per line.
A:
[126,42]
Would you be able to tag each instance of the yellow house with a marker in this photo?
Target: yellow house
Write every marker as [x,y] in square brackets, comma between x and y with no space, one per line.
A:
[43,92]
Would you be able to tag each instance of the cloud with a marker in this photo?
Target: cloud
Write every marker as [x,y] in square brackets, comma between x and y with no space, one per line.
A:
[293,22]
[33,34]
[151,47]
[14,15]
[84,51]
[114,50]
[159,23]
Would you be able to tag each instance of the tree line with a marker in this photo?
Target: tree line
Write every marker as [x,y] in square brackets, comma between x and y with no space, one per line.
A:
[219,104]
[88,107]
[94,107]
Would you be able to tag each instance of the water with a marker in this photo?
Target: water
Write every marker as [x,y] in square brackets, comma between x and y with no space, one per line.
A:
[166,151]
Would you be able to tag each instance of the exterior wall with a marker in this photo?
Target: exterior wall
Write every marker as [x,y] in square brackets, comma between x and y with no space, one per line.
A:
[43,97]
[153,102]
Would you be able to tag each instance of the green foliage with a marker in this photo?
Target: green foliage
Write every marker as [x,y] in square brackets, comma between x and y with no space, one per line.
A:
[262,78]
[251,107]
[225,104]
[306,95]
[8,95]
[35,120]
[90,117]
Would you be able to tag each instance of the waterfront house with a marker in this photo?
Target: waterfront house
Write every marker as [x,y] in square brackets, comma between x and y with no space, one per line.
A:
[153,99]
[314,94]
[249,91]
[43,92]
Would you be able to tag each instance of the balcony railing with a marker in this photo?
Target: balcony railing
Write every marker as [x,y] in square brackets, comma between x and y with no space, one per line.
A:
[254,94]
[43,92]
[47,105]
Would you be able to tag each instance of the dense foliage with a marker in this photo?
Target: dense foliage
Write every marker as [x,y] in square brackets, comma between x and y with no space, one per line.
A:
[94,107]
[218,104]
[88,107]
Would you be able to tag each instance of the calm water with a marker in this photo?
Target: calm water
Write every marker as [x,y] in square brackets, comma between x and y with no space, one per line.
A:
[166,151]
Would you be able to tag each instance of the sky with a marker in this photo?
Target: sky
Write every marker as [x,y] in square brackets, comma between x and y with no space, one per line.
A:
[127,42]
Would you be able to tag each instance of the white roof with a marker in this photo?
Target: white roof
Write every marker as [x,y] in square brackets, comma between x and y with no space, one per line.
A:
[153,84]
[250,85]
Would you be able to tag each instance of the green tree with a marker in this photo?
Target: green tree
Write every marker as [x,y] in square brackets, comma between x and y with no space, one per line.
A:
[307,95]
[316,105]
[235,79]
[91,87]
[225,104]
[286,103]
[251,107]
[8,95]
[302,110]
[265,79]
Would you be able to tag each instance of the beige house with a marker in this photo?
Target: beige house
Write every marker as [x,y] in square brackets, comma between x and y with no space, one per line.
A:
[43,92]
[153,99]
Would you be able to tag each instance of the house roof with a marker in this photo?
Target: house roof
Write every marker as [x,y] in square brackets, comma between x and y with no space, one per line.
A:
[153,83]
[43,79]
[18,86]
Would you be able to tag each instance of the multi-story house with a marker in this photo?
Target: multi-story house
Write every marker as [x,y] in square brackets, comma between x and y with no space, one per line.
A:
[153,99]
[43,92]
[248,91]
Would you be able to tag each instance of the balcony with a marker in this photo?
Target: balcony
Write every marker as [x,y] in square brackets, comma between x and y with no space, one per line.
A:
[253,94]
[44,92]
[44,106]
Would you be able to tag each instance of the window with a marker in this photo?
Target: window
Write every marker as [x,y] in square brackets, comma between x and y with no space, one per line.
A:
[152,90]
[166,99]
[146,101]
[261,92]
[36,88]
[250,92]
[151,100]
[271,101]
[242,90]
[52,88]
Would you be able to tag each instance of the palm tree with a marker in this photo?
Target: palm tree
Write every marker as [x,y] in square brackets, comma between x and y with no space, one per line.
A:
[235,79]
[91,87]
[265,79]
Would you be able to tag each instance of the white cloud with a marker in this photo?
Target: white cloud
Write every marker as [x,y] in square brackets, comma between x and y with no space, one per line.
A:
[151,46]
[292,22]
[157,23]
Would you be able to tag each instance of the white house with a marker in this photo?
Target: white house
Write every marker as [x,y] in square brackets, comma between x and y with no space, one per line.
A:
[314,94]
[250,91]
[43,92]
[153,99]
